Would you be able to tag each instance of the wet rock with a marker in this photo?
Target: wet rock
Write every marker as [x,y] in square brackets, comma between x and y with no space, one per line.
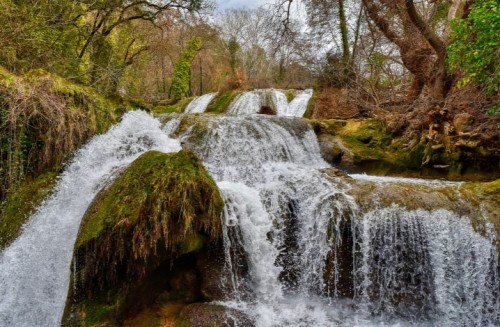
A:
[330,149]
[216,281]
[207,315]
[267,110]
[138,241]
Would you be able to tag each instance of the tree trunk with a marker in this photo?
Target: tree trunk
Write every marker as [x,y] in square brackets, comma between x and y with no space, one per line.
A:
[422,51]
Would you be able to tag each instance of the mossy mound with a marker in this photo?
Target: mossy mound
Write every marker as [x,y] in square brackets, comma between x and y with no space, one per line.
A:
[222,101]
[310,105]
[138,238]
[484,197]
[174,107]
[21,203]
[43,120]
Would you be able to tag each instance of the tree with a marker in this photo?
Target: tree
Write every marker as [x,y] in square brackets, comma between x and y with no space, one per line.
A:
[38,34]
[328,20]
[182,67]
[422,50]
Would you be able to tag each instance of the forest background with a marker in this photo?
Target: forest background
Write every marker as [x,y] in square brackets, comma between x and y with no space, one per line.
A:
[69,68]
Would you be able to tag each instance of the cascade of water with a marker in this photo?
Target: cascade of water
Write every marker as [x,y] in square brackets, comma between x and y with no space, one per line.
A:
[34,269]
[284,208]
[298,106]
[280,102]
[247,103]
[251,102]
[199,104]
[306,242]
[426,265]
[293,223]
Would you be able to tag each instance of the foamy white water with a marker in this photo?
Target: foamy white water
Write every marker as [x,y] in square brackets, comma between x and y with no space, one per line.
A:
[298,106]
[408,268]
[35,268]
[302,235]
[251,102]
[199,104]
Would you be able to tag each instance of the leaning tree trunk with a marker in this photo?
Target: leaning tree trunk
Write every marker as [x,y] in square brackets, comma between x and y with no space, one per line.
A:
[422,51]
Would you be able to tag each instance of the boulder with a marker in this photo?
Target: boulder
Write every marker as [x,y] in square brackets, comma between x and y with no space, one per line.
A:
[138,240]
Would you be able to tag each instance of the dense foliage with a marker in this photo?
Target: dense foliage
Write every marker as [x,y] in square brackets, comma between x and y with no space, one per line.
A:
[476,48]
[182,67]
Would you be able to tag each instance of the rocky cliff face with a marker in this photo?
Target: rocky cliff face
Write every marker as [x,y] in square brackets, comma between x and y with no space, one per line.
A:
[369,146]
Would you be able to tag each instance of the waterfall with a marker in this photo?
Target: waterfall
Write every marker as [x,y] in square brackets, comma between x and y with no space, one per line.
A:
[316,254]
[284,208]
[295,108]
[298,106]
[199,104]
[305,237]
[432,262]
[251,102]
[247,103]
[35,268]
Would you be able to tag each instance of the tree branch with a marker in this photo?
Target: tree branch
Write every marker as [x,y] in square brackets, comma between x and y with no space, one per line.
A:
[427,33]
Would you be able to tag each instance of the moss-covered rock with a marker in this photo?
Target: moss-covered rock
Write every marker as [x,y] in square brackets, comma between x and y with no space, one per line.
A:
[21,203]
[177,106]
[43,120]
[137,241]
[368,146]
[222,101]
[485,198]
[310,105]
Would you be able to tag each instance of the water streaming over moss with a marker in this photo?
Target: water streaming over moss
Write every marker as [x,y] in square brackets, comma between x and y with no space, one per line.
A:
[34,269]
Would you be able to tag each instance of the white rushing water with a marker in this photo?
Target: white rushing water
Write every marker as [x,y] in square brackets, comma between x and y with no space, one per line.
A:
[303,236]
[199,104]
[35,268]
[315,256]
[247,103]
[298,106]
[295,108]
[252,101]
[283,207]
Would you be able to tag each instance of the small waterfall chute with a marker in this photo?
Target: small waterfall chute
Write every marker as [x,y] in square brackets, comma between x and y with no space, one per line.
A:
[247,103]
[200,104]
[251,102]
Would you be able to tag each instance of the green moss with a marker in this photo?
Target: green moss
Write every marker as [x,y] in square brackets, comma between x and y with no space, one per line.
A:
[7,79]
[370,132]
[45,118]
[416,156]
[175,107]
[192,244]
[290,95]
[100,112]
[98,311]
[21,203]
[162,207]
[485,196]
[160,200]
[365,139]
[310,106]
[140,192]
[327,126]
[222,101]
